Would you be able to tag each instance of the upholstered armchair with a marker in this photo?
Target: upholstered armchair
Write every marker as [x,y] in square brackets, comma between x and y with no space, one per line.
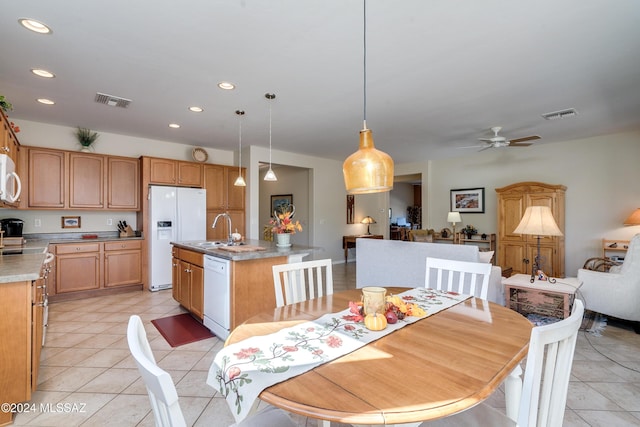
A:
[421,235]
[616,293]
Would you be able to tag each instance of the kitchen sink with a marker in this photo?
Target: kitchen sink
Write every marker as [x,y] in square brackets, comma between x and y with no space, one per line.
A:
[216,244]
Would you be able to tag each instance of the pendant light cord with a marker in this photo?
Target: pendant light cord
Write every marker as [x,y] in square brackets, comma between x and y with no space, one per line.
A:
[364,63]
[269,134]
[240,144]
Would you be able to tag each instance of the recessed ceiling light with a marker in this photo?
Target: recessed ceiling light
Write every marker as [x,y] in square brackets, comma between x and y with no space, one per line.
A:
[45,101]
[196,109]
[174,125]
[226,86]
[42,73]
[36,26]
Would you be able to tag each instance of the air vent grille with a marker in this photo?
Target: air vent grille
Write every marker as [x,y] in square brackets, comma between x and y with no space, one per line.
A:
[114,101]
[562,114]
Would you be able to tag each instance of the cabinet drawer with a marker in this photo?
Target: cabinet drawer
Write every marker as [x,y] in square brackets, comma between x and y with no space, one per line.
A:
[123,245]
[77,248]
[191,257]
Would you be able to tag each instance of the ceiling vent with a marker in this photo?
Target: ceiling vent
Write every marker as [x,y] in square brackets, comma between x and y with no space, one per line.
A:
[114,101]
[562,114]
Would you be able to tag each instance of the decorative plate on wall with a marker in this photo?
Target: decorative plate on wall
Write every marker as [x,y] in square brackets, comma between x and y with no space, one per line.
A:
[199,155]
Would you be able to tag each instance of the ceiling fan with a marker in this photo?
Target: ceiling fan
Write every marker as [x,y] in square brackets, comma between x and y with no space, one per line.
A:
[497,141]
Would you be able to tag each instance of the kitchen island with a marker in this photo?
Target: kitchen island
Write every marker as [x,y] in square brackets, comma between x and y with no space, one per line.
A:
[225,285]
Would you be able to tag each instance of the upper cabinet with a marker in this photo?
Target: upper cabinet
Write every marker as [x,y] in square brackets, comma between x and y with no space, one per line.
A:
[60,179]
[8,141]
[223,196]
[175,172]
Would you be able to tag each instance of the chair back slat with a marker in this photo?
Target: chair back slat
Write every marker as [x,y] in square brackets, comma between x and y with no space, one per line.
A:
[302,281]
[471,278]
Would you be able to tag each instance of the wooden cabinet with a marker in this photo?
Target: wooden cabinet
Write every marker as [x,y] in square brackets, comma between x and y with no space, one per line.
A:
[223,196]
[188,280]
[123,183]
[86,181]
[58,179]
[172,172]
[21,329]
[46,178]
[122,263]
[77,267]
[518,251]
[89,269]
[9,144]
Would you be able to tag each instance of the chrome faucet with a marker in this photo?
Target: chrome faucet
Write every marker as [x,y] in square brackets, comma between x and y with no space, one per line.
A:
[215,221]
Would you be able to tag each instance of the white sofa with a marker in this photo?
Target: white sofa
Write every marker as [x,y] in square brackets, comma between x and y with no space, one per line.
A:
[401,263]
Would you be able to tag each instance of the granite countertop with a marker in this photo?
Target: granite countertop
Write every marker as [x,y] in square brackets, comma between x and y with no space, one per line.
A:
[270,250]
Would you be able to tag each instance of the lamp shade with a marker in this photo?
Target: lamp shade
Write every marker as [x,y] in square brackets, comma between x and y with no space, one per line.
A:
[538,221]
[368,220]
[368,170]
[454,217]
[634,218]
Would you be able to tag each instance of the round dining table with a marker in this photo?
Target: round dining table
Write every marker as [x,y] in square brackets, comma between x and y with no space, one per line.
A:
[435,367]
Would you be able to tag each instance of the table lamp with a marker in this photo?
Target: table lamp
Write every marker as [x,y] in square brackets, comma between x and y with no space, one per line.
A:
[453,218]
[634,218]
[538,221]
[368,220]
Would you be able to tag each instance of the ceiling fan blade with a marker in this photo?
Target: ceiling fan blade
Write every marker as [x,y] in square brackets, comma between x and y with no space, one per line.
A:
[526,138]
[474,146]
[519,144]
[486,139]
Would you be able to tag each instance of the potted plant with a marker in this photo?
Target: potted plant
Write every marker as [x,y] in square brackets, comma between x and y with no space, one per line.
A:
[86,137]
[470,230]
[283,226]
[5,105]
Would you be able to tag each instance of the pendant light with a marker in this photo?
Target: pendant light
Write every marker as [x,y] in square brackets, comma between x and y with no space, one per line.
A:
[368,170]
[270,175]
[240,180]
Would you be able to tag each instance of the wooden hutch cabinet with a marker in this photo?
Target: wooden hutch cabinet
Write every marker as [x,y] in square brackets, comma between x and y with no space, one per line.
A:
[518,251]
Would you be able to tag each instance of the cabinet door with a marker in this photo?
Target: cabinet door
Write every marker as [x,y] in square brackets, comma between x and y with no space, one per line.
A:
[214,183]
[197,291]
[547,256]
[46,178]
[514,255]
[162,171]
[123,186]
[86,181]
[190,174]
[510,211]
[122,268]
[78,272]
[175,278]
[184,284]
[235,195]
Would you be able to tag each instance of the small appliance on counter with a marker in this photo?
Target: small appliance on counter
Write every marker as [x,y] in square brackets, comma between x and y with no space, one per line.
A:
[12,240]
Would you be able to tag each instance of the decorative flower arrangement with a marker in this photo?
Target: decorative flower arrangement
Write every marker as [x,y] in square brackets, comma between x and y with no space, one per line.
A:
[282,222]
[469,230]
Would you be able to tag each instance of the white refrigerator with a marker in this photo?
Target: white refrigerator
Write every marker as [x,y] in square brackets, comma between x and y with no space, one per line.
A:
[176,214]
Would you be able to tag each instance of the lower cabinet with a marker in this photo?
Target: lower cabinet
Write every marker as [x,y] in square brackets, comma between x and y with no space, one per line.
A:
[88,269]
[188,280]
[21,329]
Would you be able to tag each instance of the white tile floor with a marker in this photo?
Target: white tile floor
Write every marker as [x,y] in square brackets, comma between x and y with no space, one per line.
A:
[86,365]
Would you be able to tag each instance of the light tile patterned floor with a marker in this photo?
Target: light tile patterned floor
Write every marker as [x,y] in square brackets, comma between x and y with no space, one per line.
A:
[86,365]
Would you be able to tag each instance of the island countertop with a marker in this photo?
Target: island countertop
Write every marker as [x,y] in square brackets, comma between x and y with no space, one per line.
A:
[249,249]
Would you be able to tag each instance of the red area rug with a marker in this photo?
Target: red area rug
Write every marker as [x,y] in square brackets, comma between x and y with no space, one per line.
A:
[181,329]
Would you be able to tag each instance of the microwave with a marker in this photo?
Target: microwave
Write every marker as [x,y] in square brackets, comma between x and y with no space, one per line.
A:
[10,185]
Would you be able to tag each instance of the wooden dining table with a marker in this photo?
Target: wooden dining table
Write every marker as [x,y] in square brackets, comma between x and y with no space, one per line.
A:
[435,367]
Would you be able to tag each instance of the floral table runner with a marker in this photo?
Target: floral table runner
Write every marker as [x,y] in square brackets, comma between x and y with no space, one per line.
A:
[241,371]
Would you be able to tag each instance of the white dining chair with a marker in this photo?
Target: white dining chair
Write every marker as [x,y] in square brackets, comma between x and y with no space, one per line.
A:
[458,276]
[543,395]
[301,281]
[162,392]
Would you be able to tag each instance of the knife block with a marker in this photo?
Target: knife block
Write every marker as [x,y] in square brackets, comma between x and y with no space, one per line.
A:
[128,232]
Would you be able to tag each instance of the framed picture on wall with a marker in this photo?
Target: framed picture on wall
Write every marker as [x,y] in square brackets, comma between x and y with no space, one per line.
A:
[70,222]
[350,208]
[467,200]
[279,201]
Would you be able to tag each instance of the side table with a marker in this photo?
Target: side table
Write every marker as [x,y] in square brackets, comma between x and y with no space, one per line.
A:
[540,297]
[350,242]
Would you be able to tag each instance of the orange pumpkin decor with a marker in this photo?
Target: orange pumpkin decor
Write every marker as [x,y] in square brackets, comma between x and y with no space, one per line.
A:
[375,321]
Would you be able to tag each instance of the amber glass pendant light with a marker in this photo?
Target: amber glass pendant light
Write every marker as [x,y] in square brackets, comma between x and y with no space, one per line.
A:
[368,170]
[240,180]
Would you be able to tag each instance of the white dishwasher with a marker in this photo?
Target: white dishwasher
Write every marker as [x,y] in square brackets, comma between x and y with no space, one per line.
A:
[217,281]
